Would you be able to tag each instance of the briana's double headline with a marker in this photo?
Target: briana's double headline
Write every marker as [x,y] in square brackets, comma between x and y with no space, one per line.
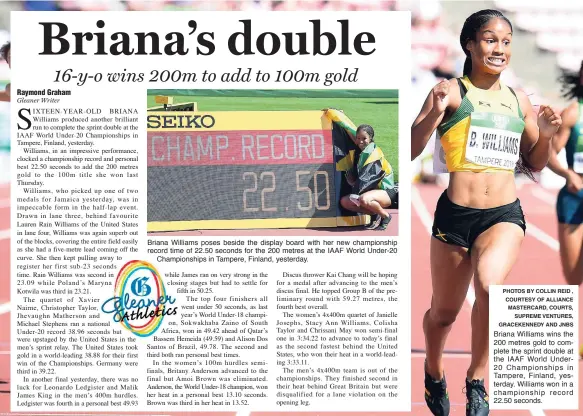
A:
[57,40]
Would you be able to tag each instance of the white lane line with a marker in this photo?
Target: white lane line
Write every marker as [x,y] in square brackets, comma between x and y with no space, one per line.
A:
[536,232]
[427,221]
[422,211]
[543,195]
[4,308]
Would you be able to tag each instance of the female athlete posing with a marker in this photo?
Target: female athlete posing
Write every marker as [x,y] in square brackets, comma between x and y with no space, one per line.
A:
[485,129]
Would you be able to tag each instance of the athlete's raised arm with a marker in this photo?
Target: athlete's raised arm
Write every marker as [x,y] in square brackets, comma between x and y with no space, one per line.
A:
[436,104]
[539,130]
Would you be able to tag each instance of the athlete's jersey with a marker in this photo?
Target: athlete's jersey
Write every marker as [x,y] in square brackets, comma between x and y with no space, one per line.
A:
[483,134]
[574,146]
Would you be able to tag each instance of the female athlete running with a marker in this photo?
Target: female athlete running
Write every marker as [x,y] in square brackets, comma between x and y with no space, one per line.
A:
[486,129]
[570,198]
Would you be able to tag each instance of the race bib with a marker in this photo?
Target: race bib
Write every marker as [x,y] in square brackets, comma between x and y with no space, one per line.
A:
[494,140]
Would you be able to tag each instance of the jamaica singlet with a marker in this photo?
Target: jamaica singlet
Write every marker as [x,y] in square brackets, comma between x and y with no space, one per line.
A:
[574,146]
[484,133]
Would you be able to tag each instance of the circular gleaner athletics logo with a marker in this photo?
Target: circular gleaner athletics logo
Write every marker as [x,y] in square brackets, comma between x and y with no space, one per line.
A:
[140,301]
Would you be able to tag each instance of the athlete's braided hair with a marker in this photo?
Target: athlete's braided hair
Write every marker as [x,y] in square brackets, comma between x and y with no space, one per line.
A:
[572,85]
[471,27]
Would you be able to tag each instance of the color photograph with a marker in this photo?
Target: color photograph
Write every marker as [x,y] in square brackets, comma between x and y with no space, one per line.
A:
[274,162]
[497,194]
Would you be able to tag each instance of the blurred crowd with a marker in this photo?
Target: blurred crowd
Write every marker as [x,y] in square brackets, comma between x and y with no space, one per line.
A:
[218,5]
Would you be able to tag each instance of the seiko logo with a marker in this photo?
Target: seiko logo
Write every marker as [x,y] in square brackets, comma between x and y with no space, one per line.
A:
[181,121]
[500,121]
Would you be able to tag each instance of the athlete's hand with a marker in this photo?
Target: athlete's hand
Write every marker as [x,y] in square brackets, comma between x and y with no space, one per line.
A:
[549,121]
[441,96]
[574,182]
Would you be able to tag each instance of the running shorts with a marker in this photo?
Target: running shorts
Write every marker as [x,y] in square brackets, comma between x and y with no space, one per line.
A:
[460,226]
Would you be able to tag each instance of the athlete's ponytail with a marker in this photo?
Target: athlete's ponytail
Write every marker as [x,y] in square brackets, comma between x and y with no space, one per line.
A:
[471,27]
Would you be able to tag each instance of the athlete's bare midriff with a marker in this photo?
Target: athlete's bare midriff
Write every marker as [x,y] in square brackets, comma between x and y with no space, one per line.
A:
[481,190]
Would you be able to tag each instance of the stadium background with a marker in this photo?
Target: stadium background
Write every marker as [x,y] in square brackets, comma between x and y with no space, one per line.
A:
[548,37]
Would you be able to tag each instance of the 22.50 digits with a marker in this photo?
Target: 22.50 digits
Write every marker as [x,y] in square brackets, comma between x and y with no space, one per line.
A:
[265,183]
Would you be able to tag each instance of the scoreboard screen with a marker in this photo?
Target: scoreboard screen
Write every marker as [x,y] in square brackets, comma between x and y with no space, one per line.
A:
[253,169]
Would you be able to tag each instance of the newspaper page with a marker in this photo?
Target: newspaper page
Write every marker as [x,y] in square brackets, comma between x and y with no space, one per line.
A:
[191,196]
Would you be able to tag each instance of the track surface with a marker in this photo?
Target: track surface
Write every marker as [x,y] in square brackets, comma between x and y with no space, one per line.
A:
[538,264]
